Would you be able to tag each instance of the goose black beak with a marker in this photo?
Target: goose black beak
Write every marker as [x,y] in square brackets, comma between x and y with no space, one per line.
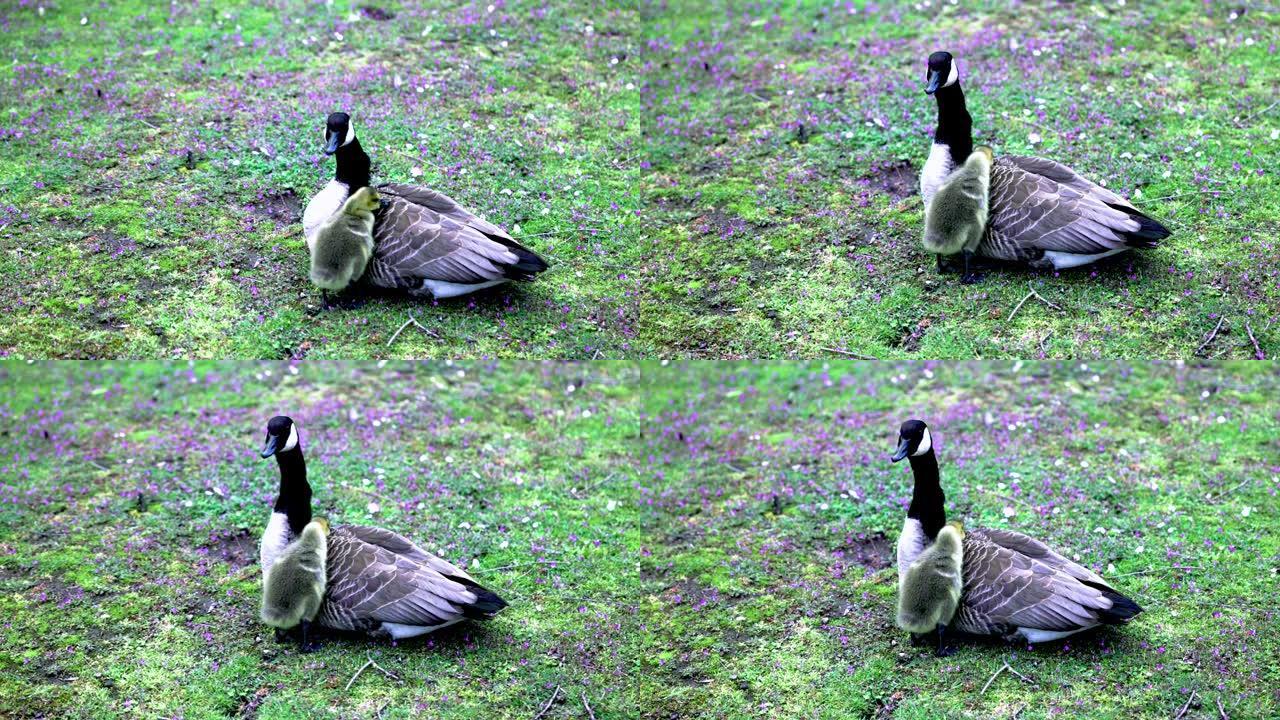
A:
[935,81]
[902,450]
[270,448]
[331,146]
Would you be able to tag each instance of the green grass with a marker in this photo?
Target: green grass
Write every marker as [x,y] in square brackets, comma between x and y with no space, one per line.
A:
[710,540]
[158,156]
[789,136]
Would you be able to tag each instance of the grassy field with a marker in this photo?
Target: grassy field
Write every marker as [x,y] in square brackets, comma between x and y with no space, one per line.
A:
[133,496]
[701,541]
[157,156]
[787,139]
[770,593]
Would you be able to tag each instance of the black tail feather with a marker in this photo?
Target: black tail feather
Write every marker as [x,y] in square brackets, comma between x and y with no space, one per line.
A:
[1122,608]
[528,265]
[1149,232]
[487,602]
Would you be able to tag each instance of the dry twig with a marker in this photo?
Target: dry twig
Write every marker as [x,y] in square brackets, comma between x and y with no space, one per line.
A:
[1212,335]
[547,707]
[1186,706]
[993,677]
[353,677]
[1028,296]
[1257,349]
[592,714]
[412,321]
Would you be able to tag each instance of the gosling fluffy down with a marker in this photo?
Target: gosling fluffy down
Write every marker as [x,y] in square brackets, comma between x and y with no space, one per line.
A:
[293,587]
[930,590]
[957,214]
[344,243]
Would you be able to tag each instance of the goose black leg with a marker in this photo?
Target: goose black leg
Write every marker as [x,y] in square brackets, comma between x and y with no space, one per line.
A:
[943,649]
[308,643]
[969,277]
[282,635]
[938,259]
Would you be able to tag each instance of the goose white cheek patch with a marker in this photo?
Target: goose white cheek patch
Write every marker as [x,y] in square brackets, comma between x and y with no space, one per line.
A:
[953,75]
[926,444]
[351,134]
[293,438]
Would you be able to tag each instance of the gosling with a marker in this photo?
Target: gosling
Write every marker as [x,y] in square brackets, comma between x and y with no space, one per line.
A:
[293,587]
[343,245]
[957,215]
[929,592]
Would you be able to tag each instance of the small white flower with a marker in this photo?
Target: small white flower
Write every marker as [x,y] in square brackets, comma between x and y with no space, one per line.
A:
[415,171]
[1009,511]
[1275,134]
[84,21]
[1245,511]
[1034,138]
[374,507]
[611,505]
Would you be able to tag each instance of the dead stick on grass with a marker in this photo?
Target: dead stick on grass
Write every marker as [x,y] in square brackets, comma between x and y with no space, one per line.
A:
[1245,122]
[1186,706]
[592,715]
[1221,711]
[847,353]
[1212,335]
[1028,296]
[353,677]
[1258,354]
[1025,679]
[547,707]
[383,670]
[412,321]
[993,677]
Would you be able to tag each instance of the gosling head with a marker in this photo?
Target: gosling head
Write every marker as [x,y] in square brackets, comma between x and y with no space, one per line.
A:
[322,524]
[985,154]
[942,72]
[282,436]
[365,199]
[913,440]
[958,527]
[338,131]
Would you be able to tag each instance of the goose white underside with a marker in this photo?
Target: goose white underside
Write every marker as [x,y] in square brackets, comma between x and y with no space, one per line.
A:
[1066,260]
[1034,635]
[936,169]
[440,289]
[400,631]
[274,540]
[322,207]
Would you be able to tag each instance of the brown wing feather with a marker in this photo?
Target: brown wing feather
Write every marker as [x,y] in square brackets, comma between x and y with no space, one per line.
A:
[369,582]
[1006,588]
[1031,212]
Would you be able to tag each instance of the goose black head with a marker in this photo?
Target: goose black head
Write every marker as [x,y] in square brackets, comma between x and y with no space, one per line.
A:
[338,131]
[942,72]
[913,440]
[282,436]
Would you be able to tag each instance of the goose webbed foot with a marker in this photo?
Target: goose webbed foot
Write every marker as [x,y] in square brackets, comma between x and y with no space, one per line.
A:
[970,276]
[282,636]
[943,650]
[308,642]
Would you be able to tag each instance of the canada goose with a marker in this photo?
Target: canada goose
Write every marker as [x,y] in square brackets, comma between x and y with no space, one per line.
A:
[343,244]
[293,585]
[1014,586]
[424,242]
[957,214]
[1041,213]
[377,581]
[929,590]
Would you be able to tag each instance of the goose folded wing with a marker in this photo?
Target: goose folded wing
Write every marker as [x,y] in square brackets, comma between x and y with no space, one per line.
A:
[1064,175]
[404,547]
[1029,210]
[444,205]
[370,581]
[1036,550]
[1008,589]
[414,242]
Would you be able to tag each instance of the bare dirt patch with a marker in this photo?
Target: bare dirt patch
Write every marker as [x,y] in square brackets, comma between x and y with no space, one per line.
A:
[238,550]
[896,178]
[285,207]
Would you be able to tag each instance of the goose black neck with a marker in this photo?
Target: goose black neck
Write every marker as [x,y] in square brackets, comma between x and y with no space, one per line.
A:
[295,493]
[354,165]
[928,504]
[955,126]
